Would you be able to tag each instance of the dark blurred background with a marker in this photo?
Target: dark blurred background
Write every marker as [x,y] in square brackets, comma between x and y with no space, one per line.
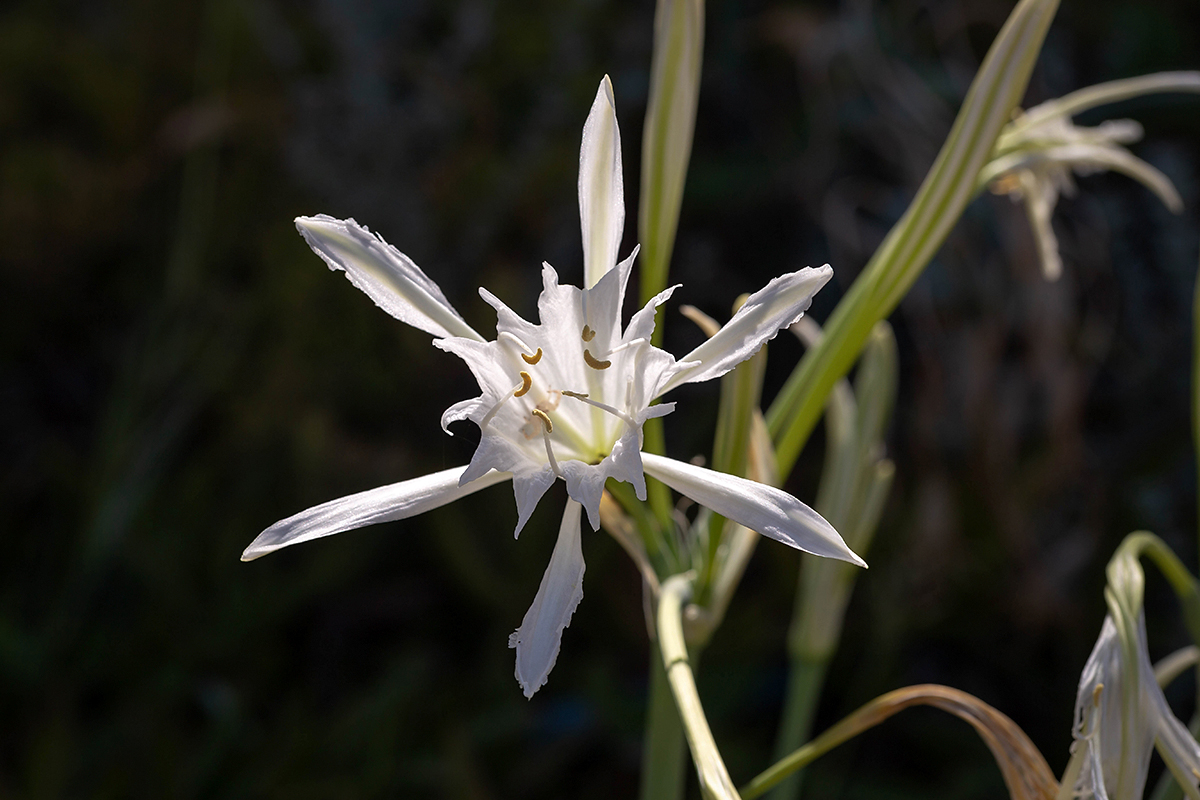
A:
[179,371]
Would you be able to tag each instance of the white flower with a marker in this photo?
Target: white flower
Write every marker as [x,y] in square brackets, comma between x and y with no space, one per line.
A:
[563,399]
[1036,155]
[1121,715]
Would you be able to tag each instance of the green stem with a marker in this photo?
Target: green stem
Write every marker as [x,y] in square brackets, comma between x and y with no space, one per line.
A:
[805,680]
[1196,389]
[663,774]
[715,783]
[913,241]
[657,493]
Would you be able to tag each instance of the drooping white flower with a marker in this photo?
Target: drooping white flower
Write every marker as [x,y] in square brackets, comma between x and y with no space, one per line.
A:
[1038,151]
[1121,716]
[565,398]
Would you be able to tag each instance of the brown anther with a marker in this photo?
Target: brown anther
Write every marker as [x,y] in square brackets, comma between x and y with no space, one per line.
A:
[532,359]
[593,363]
[577,395]
[1096,694]
[1005,184]
[526,382]
[588,334]
[545,418]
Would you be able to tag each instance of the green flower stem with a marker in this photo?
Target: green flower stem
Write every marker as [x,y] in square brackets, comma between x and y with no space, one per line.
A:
[657,493]
[660,548]
[842,732]
[912,243]
[667,136]
[663,764]
[741,391]
[805,680]
[1126,580]
[1196,384]
[715,783]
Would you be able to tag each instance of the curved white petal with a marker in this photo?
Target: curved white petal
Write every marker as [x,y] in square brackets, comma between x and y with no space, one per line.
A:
[765,509]
[387,503]
[528,489]
[1040,196]
[386,275]
[1117,746]
[601,187]
[537,640]
[780,303]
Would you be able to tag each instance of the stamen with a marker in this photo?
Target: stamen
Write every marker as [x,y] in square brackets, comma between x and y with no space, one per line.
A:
[547,427]
[526,382]
[545,418]
[583,398]
[588,334]
[532,359]
[1096,693]
[511,338]
[627,345]
[593,363]
[523,386]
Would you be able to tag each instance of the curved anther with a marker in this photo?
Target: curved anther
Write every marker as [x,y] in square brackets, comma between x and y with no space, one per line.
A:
[532,359]
[588,334]
[526,382]
[592,361]
[545,418]
[517,390]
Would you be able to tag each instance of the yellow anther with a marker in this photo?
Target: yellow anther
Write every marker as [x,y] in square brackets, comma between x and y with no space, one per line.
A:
[588,334]
[576,395]
[593,363]
[526,382]
[1096,694]
[545,418]
[532,359]
[1005,184]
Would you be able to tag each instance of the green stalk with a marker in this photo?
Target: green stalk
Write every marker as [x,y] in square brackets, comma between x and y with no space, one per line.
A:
[805,680]
[1196,388]
[663,765]
[741,392]
[912,243]
[667,136]
[715,783]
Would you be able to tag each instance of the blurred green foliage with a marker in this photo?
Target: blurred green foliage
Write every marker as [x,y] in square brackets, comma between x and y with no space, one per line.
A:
[178,371]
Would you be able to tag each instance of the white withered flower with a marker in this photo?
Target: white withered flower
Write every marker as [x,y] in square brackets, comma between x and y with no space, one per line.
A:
[1121,716]
[1039,150]
[565,398]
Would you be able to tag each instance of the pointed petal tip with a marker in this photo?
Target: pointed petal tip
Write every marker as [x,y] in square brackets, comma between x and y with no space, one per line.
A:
[252,553]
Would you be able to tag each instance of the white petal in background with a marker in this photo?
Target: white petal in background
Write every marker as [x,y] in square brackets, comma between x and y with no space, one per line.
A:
[780,303]
[772,512]
[387,503]
[538,639]
[601,187]
[386,275]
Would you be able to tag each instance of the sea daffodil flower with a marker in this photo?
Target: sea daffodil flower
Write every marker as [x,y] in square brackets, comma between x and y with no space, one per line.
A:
[1121,716]
[563,399]
[1038,151]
